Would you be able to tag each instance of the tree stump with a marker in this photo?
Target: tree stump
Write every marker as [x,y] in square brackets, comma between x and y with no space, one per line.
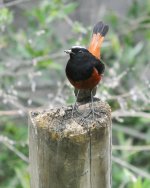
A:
[66,152]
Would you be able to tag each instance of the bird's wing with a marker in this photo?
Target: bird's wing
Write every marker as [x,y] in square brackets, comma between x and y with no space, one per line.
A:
[99,66]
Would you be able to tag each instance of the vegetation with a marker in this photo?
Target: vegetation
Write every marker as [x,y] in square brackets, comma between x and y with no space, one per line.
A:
[32,75]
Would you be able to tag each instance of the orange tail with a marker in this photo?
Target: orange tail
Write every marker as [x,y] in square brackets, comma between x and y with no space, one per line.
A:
[99,32]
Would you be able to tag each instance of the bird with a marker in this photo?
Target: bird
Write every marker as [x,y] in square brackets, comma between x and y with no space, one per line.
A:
[85,68]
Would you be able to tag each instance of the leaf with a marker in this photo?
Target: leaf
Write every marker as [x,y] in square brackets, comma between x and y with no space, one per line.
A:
[79,28]
[44,64]
[69,8]
[23,177]
[138,183]
[6,16]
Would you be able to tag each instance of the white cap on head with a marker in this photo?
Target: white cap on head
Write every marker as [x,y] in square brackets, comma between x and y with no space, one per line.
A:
[78,47]
[70,51]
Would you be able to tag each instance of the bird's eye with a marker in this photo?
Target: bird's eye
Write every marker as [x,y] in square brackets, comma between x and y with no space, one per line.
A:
[80,51]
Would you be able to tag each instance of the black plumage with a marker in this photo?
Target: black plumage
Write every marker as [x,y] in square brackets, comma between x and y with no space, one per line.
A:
[101,28]
[81,64]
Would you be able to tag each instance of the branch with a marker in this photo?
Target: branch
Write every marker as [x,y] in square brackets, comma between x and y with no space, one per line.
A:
[10,145]
[12,3]
[34,61]
[12,113]
[131,132]
[69,21]
[131,148]
[121,113]
[131,167]
[46,57]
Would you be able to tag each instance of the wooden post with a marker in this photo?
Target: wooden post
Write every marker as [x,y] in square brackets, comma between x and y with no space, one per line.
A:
[68,152]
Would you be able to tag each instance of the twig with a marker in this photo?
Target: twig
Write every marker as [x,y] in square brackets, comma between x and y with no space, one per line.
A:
[34,61]
[131,132]
[69,21]
[18,112]
[12,3]
[6,139]
[120,113]
[131,148]
[13,100]
[10,144]
[12,113]
[46,57]
[131,167]
[17,152]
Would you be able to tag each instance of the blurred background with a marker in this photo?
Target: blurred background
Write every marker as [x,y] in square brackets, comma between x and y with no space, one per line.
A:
[33,37]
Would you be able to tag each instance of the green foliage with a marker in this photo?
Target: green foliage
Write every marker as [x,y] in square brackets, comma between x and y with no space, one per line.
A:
[6,17]
[139,183]
[23,177]
[10,163]
[50,11]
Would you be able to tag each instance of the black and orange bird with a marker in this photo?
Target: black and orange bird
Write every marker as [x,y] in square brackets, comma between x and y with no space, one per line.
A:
[85,69]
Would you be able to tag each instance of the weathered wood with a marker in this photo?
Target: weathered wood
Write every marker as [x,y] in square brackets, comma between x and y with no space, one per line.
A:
[68,152]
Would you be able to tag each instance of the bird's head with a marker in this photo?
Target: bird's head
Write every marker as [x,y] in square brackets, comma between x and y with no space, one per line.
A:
[77,52]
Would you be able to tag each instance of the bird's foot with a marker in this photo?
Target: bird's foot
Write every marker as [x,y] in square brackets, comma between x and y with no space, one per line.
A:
[85,116]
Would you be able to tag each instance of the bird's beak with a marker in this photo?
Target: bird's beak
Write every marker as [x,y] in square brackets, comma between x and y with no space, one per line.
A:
[68,51]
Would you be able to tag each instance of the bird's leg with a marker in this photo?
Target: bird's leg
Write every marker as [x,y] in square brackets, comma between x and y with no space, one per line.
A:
[85,117]
[92,110]
[75,104]
[75,109]
[92,106]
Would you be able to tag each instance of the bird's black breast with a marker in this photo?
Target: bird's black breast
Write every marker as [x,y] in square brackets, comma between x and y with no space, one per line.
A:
[77,72]
[79,69]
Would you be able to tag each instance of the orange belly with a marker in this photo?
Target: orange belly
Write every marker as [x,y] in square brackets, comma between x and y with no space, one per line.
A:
[90,83]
